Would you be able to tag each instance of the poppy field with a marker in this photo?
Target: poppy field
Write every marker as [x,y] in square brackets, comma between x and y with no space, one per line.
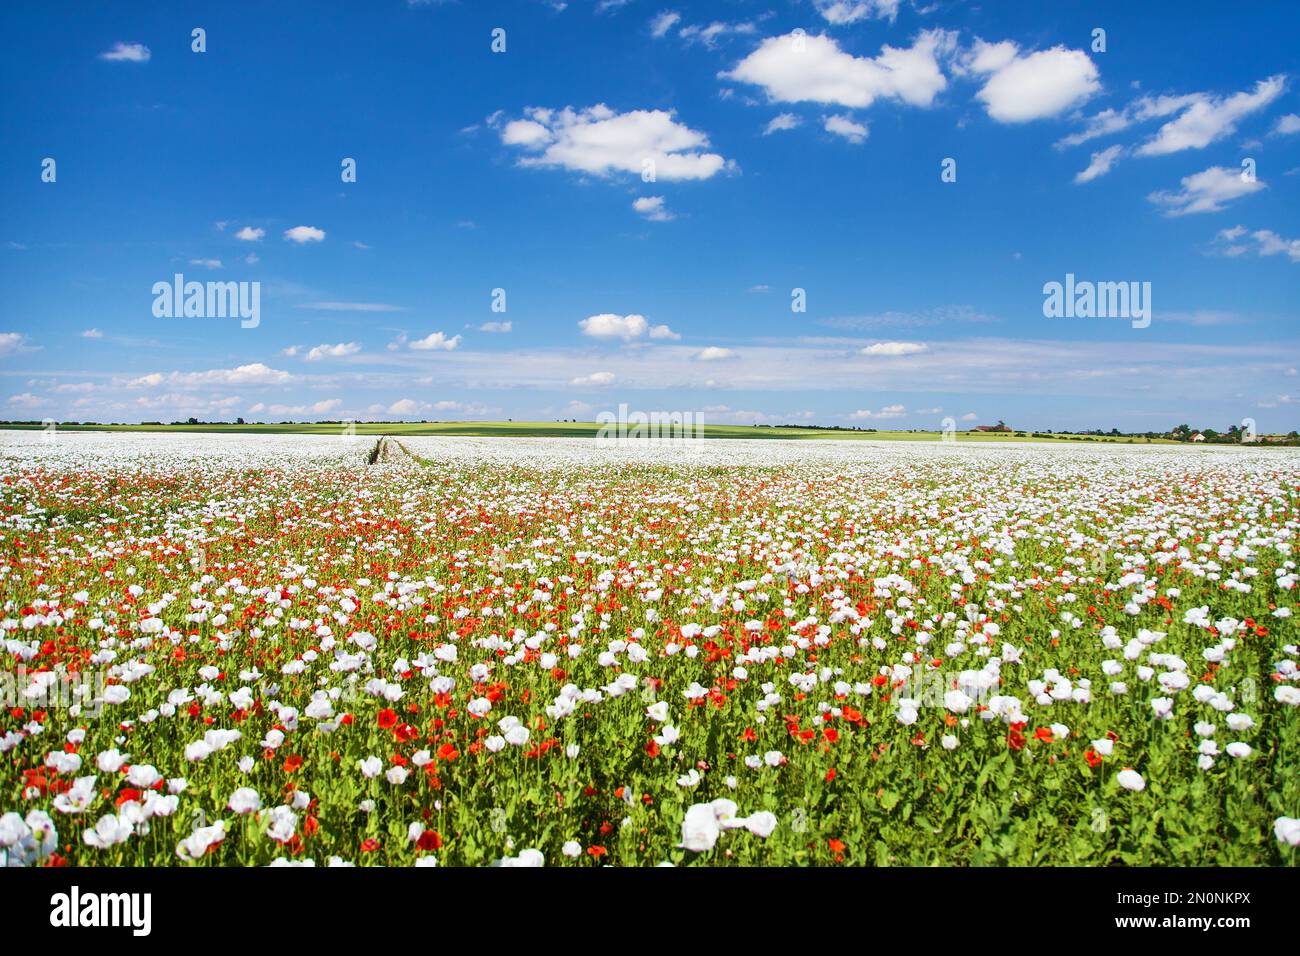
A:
[247,650]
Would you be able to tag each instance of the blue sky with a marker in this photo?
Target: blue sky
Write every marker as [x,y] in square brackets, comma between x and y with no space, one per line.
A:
[782,161]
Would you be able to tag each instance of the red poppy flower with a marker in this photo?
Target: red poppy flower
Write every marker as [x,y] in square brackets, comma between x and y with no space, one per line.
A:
[387,719]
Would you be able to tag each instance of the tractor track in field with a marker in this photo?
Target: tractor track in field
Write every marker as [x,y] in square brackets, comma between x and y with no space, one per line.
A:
[390,451]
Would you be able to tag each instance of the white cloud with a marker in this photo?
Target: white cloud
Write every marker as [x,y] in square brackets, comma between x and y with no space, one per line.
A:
[1263,242]
[252,374]
[436,341]
[407,406]
[302,234]
[795,68]
[709,35]
[126,53]
[601,142]
[1270,244]
[1286,125]
[652,208]
[664,22]
[1101,164]
[1208,118]
[970,417]
[714,353]
[328,405]
[206,263]
[595,378]
[500,327]
[663,332]
[11,342]
[841,12]
[889,411]
[1141,110]
[92,334]
[607,325]
[844,126]
[1021,88]
[780,122]
[1206,191]
[895,348]
[250,234]
[341,350]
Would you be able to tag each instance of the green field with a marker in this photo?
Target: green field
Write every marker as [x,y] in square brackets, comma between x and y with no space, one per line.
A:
[579,430]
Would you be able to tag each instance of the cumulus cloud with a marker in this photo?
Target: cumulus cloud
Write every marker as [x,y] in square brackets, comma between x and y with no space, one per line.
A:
[1271,244]
[498,327]
[595,378]
[780,122]
[714,353]
[1207,191]
[435,341]
[1286,125]
[709,35]
[252,374]
[844,126]
[796,68]
[11,342]
[664,22]
[841,12]
[1024,87]
[341,350]
[652,208]
[608,325]
[407,406]
[126,53]
[1101,164]
[276,409]
[889,411]
[663,332]
[1238,240]
[895,348]
[92,334]
[1207,119]
[602,142]
[252,234]
[304,234]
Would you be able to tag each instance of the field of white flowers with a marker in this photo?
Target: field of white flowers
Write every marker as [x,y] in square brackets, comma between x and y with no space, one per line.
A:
[249,650]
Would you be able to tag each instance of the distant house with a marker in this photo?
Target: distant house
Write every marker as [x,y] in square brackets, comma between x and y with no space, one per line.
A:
[1001,426]
[1197,436]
